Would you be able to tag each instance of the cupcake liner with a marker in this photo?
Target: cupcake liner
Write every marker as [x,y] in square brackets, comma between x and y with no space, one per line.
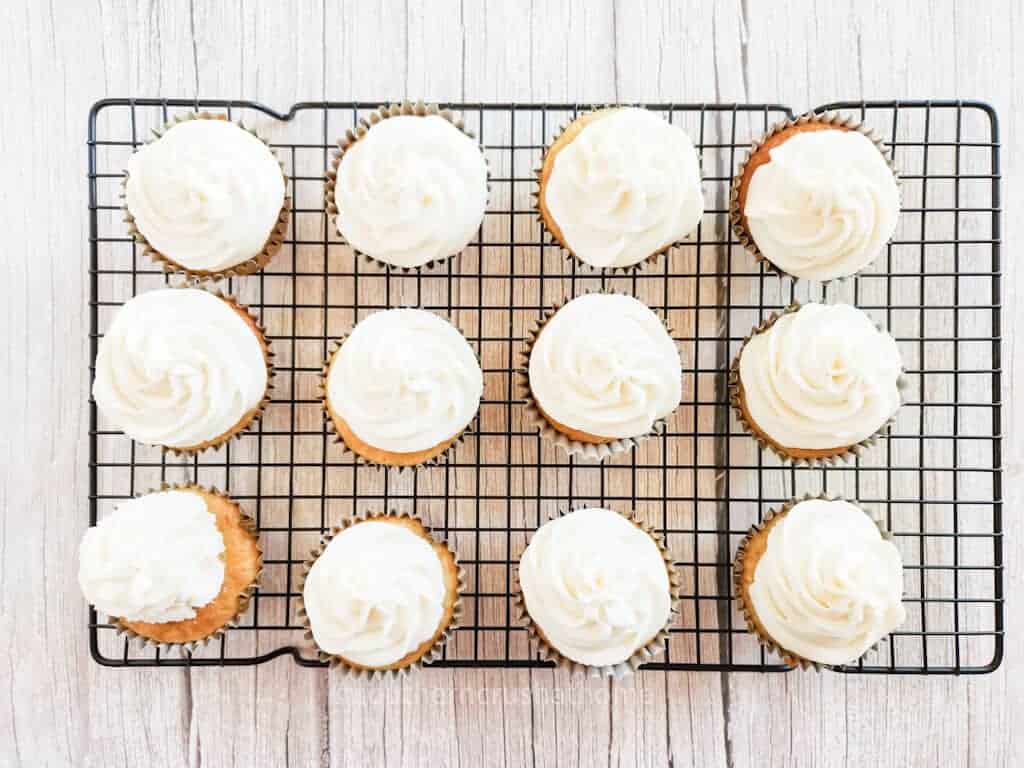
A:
[257,411]
[244,597]
[769,644]
[358,458]
[551,239]
[836,119]
[648,652]
[534,416]
[851,452]
[254,264]
[353,135]
[432,654]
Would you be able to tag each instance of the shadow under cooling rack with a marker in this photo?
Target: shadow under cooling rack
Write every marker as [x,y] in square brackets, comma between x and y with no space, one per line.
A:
[936,478]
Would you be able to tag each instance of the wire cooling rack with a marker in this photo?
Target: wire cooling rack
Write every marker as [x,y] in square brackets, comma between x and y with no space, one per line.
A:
[936,479]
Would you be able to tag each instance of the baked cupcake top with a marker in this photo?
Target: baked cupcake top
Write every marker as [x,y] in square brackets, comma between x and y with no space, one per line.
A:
[624,188]
[412,190]
[821,377]
[824,206]
[206,194]
[179,367]
[596,586]
[155,558]
[828,586]
[375,594]
[405,380]
[604,364]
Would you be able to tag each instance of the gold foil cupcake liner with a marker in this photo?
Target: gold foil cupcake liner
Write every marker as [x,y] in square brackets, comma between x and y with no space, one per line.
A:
[647,652]
[851,452]
[251,265]
[244,597]
[749,615]
[252,417]
[536,418]
[362,127]
[432,654]
[551,239]
[736,214]
[358,458]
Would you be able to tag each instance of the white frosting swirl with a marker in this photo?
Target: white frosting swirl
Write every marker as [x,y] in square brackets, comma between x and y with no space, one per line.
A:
[821,377]
[604,364]
[412,190]
[375,594]
[155,558]
[828,586]
[206,194]
[178,367]
[596,586]
[405,380]
[627,186]
[824,206]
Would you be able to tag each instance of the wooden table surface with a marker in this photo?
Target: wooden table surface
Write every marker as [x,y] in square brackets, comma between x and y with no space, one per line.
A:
[59,708]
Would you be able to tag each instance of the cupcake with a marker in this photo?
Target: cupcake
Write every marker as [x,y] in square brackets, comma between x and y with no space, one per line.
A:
[816,383]
[183,369]
[819,582]
[619,186]
[401,387]
[601,371]
[207,198]
[408,187]
[381,594]
[597,589]
[817,197]
[173,567]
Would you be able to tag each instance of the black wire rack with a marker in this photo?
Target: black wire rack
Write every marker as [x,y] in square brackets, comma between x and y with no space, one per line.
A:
[936,479]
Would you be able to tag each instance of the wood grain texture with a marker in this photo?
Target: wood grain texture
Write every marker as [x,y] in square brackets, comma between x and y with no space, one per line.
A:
[58,708]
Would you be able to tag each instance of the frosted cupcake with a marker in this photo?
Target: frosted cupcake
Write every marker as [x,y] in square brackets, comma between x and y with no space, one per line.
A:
[402,387]
[207,198]
[182,368]
[408,187]
[818,382]
[601,372]
[817,197]
[381,594]
[620,186]
[819,582]
[597,589]
[173,567]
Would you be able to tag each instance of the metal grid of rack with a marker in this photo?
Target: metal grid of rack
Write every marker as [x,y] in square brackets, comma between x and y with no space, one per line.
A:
[936,479]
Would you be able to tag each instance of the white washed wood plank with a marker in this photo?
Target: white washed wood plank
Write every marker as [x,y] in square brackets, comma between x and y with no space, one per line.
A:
[667,54]
[272,54]
[764,710]
[50,74]
[410,721]
[882,720]
[983,45]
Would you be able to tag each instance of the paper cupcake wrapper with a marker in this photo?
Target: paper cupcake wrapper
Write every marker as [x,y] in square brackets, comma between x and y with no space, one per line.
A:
[247,267]
[648,652]
[552,239]
[363,126]
[763,638]
[735,387]
[736,214]
[536,418]
[257,412]
[432,654]
[358,458]
[244,597]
